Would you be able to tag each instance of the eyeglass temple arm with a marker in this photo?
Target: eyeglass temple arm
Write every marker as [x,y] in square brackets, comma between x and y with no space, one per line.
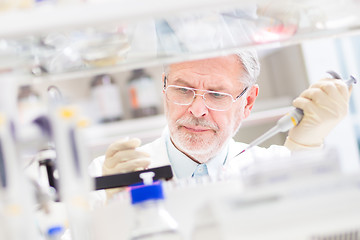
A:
[242,93]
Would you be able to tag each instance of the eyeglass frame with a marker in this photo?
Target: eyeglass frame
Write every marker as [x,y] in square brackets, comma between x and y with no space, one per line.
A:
[202,95]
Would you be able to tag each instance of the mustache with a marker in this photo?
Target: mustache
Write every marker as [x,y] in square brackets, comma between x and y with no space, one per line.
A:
[197,122]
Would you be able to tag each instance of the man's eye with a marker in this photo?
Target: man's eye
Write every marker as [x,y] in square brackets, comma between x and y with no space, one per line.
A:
[217,95]
[183,90]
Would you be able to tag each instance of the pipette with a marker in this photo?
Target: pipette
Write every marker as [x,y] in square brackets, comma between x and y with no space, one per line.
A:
[290,120]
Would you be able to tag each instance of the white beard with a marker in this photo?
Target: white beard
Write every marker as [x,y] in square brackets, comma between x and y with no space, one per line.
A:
[195,146]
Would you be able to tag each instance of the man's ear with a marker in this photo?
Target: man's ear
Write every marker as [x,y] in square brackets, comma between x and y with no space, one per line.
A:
[251,96]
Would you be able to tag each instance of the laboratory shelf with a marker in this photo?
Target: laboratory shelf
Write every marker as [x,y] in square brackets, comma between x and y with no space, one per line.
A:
[88,72]
[100,136]
[121,35]
[126,128]
[70,16]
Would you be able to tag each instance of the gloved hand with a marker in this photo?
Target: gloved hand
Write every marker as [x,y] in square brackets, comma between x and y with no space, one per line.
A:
[325,104]
[122,157]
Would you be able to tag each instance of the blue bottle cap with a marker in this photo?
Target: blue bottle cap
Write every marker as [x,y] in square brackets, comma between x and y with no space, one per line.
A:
[143,193]
[54,230]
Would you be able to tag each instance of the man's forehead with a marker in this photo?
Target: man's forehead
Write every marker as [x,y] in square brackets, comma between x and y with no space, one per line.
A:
[226,65]
[222,82]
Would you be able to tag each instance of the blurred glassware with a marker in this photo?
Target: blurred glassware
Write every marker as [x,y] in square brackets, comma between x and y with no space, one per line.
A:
[202,32]
[168,42]
[12,69]
[6,5]
[106,98]
[44,3]
[57,53]
[101,48]
[342,14]
[241,24]
[277,21]
[12,56]
[143,40]
[143,97]
[29,104]
[276,168]
[215,30]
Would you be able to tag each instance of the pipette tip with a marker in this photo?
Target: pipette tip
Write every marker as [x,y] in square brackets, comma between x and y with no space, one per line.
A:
[239,153]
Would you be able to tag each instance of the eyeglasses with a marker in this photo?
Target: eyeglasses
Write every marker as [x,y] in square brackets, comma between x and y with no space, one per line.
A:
[217,101]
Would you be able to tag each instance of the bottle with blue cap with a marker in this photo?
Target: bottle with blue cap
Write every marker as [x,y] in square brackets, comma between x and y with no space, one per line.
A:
[152,220]
[55,232]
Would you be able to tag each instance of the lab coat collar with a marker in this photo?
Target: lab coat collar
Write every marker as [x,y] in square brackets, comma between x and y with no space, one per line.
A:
[184,167]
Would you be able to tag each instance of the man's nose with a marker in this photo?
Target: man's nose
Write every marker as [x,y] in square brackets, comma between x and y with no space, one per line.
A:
[198,107]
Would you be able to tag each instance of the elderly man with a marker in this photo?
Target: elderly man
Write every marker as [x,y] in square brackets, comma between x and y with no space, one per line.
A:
[205,102]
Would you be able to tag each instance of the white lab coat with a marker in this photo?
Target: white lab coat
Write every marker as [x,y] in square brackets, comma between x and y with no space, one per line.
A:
[158,153]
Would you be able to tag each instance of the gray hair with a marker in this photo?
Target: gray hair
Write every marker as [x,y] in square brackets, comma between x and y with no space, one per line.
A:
[249,60]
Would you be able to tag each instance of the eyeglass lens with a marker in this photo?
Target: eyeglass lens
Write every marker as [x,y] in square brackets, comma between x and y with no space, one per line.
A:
[185,96]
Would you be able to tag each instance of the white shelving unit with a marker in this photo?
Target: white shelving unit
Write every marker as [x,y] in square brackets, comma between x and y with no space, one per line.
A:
[43,20]
[71,16]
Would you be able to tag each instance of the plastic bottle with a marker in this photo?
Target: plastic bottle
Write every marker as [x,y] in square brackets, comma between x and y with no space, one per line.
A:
[17,196]
[55,232]
[152,220]
[74,182]
[106,98]
[144,100]
[29,104]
